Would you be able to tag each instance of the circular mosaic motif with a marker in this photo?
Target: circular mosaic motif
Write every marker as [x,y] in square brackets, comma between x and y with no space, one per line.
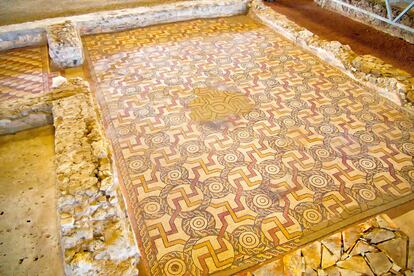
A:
[242,134]
[174,175]
[193,149]
[367,164]
[247,240]
[198,223]
[143,112]
[174,119]
[272,169]
[138,164]
[255,115]
[408,148]
[327,130]
[173,264]
[282,143]
[152,207]
[366,138]
[230,157]
[318,181]
[321,153]
[330,110]
[215,187]
[312,216]
[157,140]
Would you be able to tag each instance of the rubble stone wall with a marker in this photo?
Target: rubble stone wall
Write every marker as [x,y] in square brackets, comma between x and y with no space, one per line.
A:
[23,113]
[95,235]
[392,83]
[376,7]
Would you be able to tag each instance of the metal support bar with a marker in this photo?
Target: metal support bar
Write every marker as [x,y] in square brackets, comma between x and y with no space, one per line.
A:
[404,12]
[376,16]
[389,10]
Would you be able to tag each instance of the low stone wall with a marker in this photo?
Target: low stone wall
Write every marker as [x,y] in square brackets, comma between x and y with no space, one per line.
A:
[95,235]
[376,7]
[34,33]
[390,82]
[23,113]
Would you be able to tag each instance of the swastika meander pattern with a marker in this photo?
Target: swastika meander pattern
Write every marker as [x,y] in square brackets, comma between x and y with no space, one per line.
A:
[317,149]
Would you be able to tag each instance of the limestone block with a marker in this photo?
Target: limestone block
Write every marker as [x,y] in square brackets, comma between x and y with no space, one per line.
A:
[349,237]
[293,264]
[334,244]
[361,248]
[379,262]
[328,259]
[396,250]
[65,44]
[378,235]
[356,264]
[312,255]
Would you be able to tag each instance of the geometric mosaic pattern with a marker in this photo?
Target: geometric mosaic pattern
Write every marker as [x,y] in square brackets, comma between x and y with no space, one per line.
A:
[213,105]
[318,151]
[24,73]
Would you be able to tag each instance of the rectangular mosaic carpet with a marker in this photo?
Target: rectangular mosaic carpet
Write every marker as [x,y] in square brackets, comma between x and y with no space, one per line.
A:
[24,73]
[235,146]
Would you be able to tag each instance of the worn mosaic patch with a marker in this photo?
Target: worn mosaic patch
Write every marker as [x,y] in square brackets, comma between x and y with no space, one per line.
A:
[317,151]
[24,73]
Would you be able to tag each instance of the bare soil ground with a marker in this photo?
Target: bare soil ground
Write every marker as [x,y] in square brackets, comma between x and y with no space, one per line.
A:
[29,235]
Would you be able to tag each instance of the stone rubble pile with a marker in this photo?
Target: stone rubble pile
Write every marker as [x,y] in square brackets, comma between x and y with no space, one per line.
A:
[95,235]
[390,82]
[65,44]
[374,247]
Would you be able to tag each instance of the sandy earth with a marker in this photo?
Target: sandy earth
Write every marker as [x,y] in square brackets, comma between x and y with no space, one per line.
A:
[28,221]
[18,11]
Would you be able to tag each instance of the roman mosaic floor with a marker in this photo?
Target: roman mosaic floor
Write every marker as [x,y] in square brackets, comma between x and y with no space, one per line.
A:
[24,73]
[235,146]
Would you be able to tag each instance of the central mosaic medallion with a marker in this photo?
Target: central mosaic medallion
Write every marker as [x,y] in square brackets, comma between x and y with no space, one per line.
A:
[213,105]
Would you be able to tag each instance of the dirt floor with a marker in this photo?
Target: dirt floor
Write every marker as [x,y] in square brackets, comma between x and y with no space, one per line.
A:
[29,240]
[362,38]
[18,11]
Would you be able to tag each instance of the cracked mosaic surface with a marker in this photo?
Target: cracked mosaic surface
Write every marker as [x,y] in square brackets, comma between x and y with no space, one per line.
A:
[317,151]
